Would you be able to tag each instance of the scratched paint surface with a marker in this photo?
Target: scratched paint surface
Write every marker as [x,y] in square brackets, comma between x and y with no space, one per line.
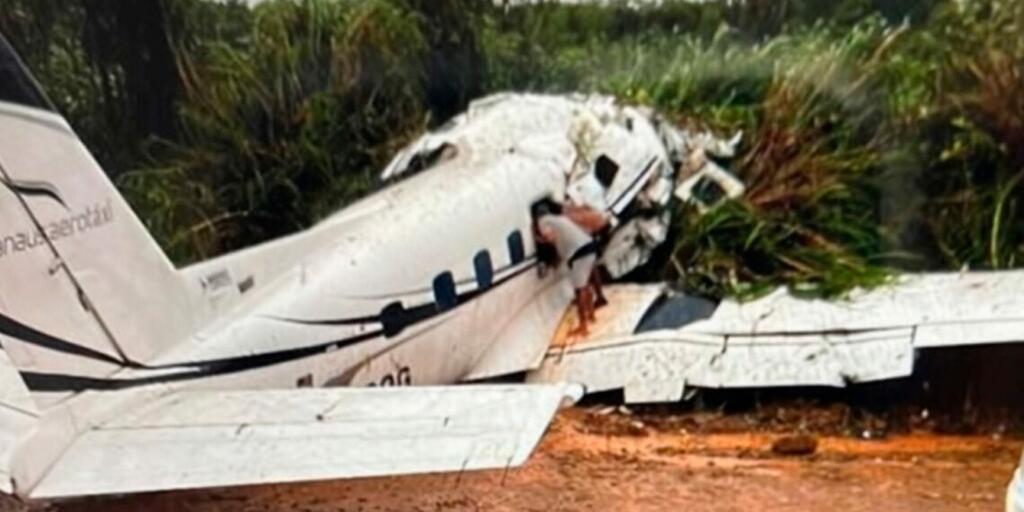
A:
[782,340]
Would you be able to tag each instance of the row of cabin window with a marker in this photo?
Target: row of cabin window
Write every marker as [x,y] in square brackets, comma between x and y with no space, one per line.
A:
[445,294]
[395,317]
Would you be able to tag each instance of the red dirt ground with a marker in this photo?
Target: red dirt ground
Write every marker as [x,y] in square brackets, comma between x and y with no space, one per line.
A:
[594,460]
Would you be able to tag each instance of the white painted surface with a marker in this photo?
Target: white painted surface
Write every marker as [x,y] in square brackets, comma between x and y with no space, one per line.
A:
[1015,491]
[197,439]
[980,307]
[18,415]
[13,393]
[101,314]
[82,284]
[101,308]
[782,340]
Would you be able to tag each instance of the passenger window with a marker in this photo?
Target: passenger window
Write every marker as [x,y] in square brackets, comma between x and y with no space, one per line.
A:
[516,252]
[393,319]
[484,270]
[444,291]
[605,170]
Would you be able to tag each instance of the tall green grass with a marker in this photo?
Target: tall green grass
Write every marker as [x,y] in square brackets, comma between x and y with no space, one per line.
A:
[283,125]
[871,143]
[869,147]
[975,132]
[819,142]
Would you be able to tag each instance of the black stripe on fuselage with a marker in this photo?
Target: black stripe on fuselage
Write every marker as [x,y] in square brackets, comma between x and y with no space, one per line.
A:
[34,188]
[636,180]
[20,331]
[414,311]
[58,382]
[357,320]
[47,382]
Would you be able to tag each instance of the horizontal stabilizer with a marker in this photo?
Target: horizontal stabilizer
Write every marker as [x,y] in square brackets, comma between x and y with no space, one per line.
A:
[186,440]
[18,416]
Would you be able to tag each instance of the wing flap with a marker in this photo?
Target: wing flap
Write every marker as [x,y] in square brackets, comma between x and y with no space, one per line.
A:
[190,440]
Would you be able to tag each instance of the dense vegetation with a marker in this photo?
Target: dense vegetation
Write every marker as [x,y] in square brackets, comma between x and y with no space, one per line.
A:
[879,133]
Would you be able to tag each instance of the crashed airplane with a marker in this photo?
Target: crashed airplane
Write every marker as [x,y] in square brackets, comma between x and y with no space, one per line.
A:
[121,373]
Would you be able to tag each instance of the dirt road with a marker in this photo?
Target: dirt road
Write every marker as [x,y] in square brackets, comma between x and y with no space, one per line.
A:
[598,461]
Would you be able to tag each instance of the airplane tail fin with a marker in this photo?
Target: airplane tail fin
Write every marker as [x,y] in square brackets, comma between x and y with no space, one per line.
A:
[86,290]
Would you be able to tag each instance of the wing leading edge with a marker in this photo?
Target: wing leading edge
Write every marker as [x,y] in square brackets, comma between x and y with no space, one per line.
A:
[187,440]
[782,340]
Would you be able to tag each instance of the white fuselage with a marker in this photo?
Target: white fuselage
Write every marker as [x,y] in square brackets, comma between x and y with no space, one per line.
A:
[431,280]
[415,292]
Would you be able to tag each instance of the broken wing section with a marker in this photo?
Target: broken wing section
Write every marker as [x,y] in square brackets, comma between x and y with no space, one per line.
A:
[659,366]
[187,440]
[782,340]
[935,310]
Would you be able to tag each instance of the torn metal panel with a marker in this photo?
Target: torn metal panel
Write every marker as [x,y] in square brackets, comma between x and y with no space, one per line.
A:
[617,159]
[700,183]
[635,363]
[827,360]
[632,244]
[782,340]
[698,174]
[626,361]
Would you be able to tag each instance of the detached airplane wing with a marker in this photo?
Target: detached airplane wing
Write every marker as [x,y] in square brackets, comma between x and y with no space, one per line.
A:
[195,439]
[783,340]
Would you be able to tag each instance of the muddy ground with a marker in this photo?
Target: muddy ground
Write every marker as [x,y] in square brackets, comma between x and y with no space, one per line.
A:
[599,457]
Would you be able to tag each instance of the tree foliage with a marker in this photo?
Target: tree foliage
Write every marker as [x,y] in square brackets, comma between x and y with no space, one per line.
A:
[879,133]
